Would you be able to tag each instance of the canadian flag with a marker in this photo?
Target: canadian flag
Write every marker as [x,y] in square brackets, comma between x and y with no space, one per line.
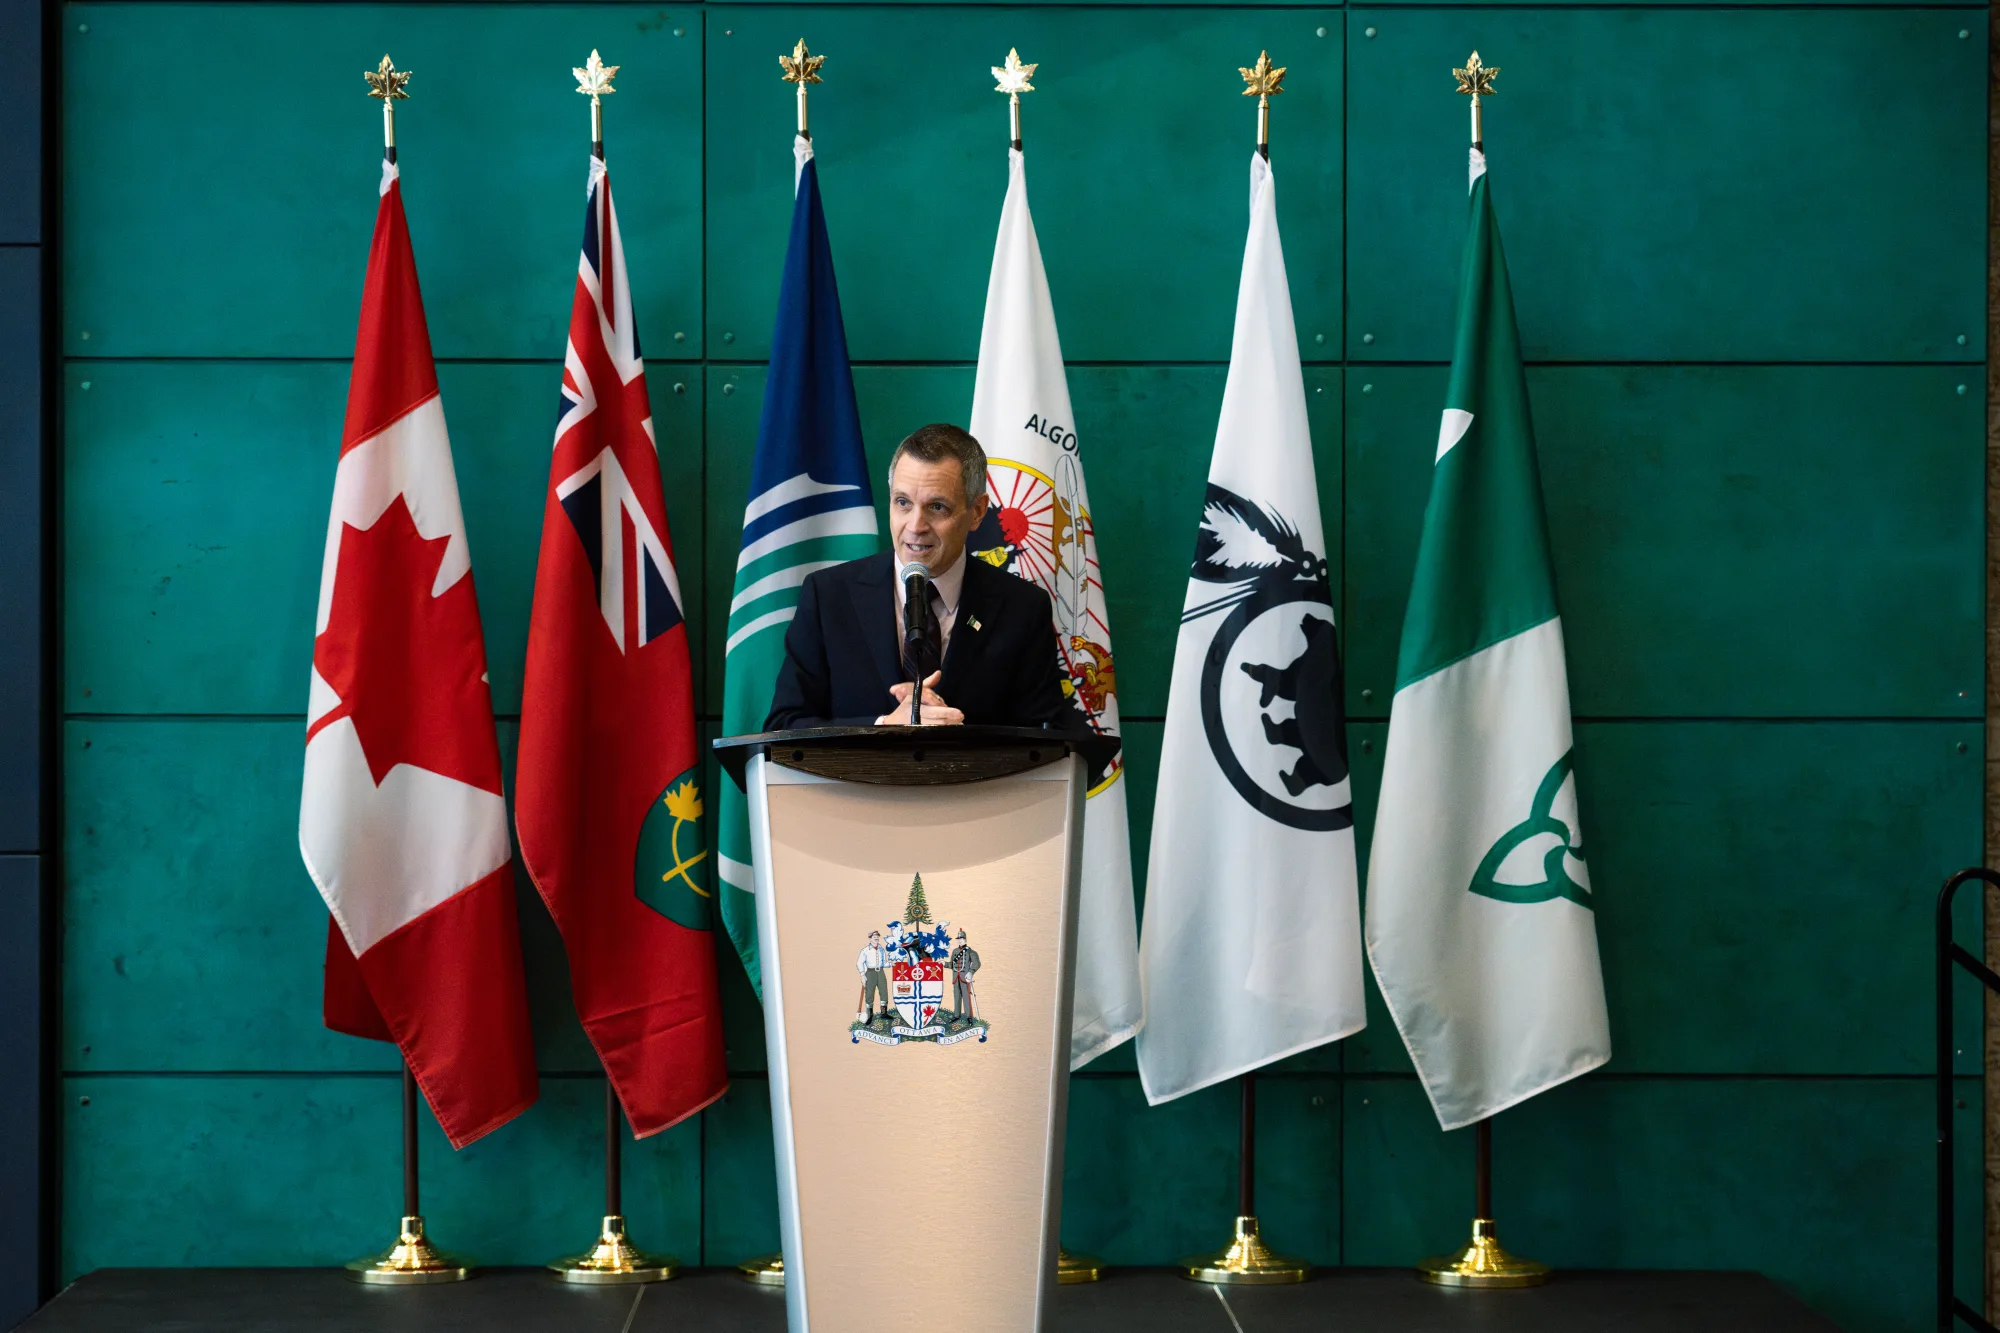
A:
[402,822]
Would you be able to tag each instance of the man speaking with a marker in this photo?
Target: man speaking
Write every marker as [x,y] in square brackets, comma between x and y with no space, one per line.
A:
[981,641]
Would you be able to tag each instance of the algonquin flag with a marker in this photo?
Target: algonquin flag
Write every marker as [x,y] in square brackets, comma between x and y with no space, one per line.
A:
[1039,527]
[401,822]
[1251,949]
[1481,923]
[609,802]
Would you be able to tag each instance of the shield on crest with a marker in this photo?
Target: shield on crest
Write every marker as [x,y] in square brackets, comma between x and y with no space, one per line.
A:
[916,987]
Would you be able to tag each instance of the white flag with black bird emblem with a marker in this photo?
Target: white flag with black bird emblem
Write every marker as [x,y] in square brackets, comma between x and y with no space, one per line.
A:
[1250,949]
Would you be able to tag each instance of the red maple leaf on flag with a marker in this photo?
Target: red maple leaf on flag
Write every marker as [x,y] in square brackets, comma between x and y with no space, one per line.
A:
[410,668]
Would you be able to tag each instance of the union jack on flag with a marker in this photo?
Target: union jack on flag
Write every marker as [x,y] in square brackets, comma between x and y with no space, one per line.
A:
[609,803]
[605,412]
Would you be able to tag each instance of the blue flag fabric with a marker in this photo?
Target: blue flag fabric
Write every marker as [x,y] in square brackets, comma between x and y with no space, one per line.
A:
[810,506]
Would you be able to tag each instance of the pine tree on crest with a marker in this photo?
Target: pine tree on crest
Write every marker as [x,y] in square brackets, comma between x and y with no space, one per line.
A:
[919,910]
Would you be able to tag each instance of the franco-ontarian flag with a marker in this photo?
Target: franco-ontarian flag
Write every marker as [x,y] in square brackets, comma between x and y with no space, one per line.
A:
[1039,527]
[1480,924]
[809,507]
[1251,947]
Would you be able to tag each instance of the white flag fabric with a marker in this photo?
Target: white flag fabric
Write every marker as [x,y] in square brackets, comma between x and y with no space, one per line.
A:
[1481,921]
[1251,948]
[1039,526]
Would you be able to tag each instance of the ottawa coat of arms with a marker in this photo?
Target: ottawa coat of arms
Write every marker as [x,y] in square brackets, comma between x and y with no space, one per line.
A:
[918,981]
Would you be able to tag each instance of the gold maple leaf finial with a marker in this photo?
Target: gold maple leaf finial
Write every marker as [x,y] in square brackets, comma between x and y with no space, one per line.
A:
[386,81]
[1014,75]
[593,79]
[801,66]
[1476,80]
[684,801]
[1263,78]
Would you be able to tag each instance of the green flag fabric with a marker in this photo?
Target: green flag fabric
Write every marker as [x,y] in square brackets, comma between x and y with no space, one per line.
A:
[1481,923]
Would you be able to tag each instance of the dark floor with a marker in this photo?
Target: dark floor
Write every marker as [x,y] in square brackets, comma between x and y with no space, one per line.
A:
[1360,1300]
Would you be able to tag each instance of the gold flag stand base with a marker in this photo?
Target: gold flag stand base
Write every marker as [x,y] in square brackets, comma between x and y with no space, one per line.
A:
[1247,1260]
[766,1270]
[412,1261]
[1072,1268]
[614,1260]
[1483,1264]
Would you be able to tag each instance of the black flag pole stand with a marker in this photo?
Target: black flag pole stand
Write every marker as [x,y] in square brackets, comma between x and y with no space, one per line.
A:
[613,1259]
[412,1261]
[1483,1263]
[1246,1259]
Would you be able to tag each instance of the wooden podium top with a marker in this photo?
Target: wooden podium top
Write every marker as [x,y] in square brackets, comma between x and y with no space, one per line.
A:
[915,756]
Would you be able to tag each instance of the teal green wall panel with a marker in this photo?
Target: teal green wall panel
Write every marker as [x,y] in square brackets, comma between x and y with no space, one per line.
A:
[1730,541]
[253,1170]
[1792,1178]
[1763,891]
[273,1170]
[911,142]
[196,497]
[739,1175]
[1147,433]
[193,938]
[194,228]
[1734,212]
[1144,1185]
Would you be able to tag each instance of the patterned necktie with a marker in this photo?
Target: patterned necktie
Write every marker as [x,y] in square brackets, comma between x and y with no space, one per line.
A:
[923,656]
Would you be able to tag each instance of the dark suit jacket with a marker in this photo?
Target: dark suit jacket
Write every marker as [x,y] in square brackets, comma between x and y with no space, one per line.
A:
[843,652]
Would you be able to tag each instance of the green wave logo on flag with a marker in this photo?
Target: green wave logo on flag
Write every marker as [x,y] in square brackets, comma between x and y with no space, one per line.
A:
[809,507]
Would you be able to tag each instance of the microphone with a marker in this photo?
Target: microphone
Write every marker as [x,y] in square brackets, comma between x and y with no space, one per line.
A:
[919,647]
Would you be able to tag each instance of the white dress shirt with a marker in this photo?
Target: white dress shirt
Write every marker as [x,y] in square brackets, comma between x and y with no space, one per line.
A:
[949,585]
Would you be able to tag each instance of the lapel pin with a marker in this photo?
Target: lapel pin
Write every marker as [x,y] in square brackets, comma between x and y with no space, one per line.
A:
[975,622]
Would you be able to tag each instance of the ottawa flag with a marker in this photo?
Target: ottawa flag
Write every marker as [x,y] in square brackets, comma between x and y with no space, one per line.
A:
[402,823]
[609,802]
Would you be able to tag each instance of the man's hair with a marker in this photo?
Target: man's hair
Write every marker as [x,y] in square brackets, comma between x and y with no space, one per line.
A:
[937,442]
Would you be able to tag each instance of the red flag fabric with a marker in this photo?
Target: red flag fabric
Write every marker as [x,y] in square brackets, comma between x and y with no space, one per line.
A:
[402,822]
[609,799]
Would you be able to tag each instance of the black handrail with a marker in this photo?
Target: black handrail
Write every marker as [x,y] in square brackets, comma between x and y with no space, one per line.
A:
[1949,952]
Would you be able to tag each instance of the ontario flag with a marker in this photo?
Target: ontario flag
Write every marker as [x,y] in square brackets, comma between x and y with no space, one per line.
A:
[402,822]
[609,796]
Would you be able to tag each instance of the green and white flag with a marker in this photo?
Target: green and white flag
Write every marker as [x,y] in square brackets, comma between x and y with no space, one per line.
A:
[1480,918]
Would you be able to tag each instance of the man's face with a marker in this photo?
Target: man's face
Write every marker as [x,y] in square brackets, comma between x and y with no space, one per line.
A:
[875,937]
[929,518]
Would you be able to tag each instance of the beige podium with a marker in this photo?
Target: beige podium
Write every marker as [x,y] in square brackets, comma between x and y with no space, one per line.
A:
[916,920]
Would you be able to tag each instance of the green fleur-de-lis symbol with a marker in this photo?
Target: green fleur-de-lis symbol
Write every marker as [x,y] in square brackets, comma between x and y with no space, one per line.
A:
[1541,822]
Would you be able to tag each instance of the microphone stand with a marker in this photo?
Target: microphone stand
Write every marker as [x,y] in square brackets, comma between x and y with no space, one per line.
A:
[916,629]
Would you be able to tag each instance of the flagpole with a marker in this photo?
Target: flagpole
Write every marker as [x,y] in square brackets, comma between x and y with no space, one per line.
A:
[1263,81]
[1247,1260]
[412,1261]
[1476,81]
[1012,77]
[1482,1263]
[613,1259]
[801,67]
